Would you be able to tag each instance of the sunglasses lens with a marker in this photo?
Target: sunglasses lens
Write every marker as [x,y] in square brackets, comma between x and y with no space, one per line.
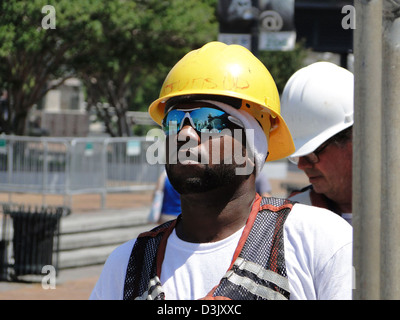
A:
[204,119]
[209,120]
[172,121]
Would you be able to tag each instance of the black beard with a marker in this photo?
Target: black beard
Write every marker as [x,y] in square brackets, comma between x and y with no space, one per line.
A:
[211,178]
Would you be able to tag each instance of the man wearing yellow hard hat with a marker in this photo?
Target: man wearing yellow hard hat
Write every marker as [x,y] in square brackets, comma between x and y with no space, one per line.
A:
[219,108]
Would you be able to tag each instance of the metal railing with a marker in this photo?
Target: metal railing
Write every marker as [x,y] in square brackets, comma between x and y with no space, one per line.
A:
[70,166]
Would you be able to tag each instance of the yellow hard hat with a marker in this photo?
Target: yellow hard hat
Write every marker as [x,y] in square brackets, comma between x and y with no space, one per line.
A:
[230,71]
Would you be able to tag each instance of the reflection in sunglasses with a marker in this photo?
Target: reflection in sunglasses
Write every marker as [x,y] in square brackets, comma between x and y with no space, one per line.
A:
[201,119]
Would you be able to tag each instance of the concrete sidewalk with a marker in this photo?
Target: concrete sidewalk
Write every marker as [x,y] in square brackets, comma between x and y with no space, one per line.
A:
[71,284]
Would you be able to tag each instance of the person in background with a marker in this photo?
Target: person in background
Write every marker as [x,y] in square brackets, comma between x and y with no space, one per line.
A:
[166,204]
[317,105]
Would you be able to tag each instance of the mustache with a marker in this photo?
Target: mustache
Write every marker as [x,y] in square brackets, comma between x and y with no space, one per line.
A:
[311,172]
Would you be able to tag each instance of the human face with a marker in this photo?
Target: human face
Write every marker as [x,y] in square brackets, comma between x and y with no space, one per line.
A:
[332,174]
[198,162]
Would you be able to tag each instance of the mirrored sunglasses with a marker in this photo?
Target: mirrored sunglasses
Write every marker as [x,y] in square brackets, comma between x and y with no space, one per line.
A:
[202,119]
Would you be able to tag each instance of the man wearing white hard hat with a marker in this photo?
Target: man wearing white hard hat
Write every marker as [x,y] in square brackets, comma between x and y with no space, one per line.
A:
[317,104]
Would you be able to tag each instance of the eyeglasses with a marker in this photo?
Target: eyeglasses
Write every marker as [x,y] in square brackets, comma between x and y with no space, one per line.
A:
[202,119]
[313,157]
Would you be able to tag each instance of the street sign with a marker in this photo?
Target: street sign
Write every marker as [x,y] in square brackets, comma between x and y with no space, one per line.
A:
[257,24]
[237,20]
[276,41]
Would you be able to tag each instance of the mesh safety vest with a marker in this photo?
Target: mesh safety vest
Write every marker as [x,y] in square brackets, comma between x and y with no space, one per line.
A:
[257,271]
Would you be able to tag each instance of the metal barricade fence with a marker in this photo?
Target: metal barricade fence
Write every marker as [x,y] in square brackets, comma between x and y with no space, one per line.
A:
[69,166]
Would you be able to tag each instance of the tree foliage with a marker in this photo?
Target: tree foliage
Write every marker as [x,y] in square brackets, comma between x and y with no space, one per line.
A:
[120,48]
[282,64]
[31,56]
[136,51]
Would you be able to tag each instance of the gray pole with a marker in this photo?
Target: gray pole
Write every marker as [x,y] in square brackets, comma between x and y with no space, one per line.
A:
[367,148]
[390,206]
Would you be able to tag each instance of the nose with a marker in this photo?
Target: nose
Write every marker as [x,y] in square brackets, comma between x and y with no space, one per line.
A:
[304,163]
[188,133]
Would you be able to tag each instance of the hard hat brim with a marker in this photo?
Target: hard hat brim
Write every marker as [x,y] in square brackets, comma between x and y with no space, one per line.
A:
[309,145]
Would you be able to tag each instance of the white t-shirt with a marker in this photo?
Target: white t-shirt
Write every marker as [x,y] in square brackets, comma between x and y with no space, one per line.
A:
[318,255]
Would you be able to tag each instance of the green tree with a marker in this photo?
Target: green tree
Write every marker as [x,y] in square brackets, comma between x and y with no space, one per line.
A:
[282,64]
[120,48]
[31,56]
[136,52]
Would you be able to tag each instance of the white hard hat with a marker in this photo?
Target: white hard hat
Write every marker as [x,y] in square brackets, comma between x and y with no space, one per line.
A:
[317,103]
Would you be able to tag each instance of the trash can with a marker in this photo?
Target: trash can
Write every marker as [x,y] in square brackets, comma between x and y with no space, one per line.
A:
[35,237]
[5,246]
[3,259]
